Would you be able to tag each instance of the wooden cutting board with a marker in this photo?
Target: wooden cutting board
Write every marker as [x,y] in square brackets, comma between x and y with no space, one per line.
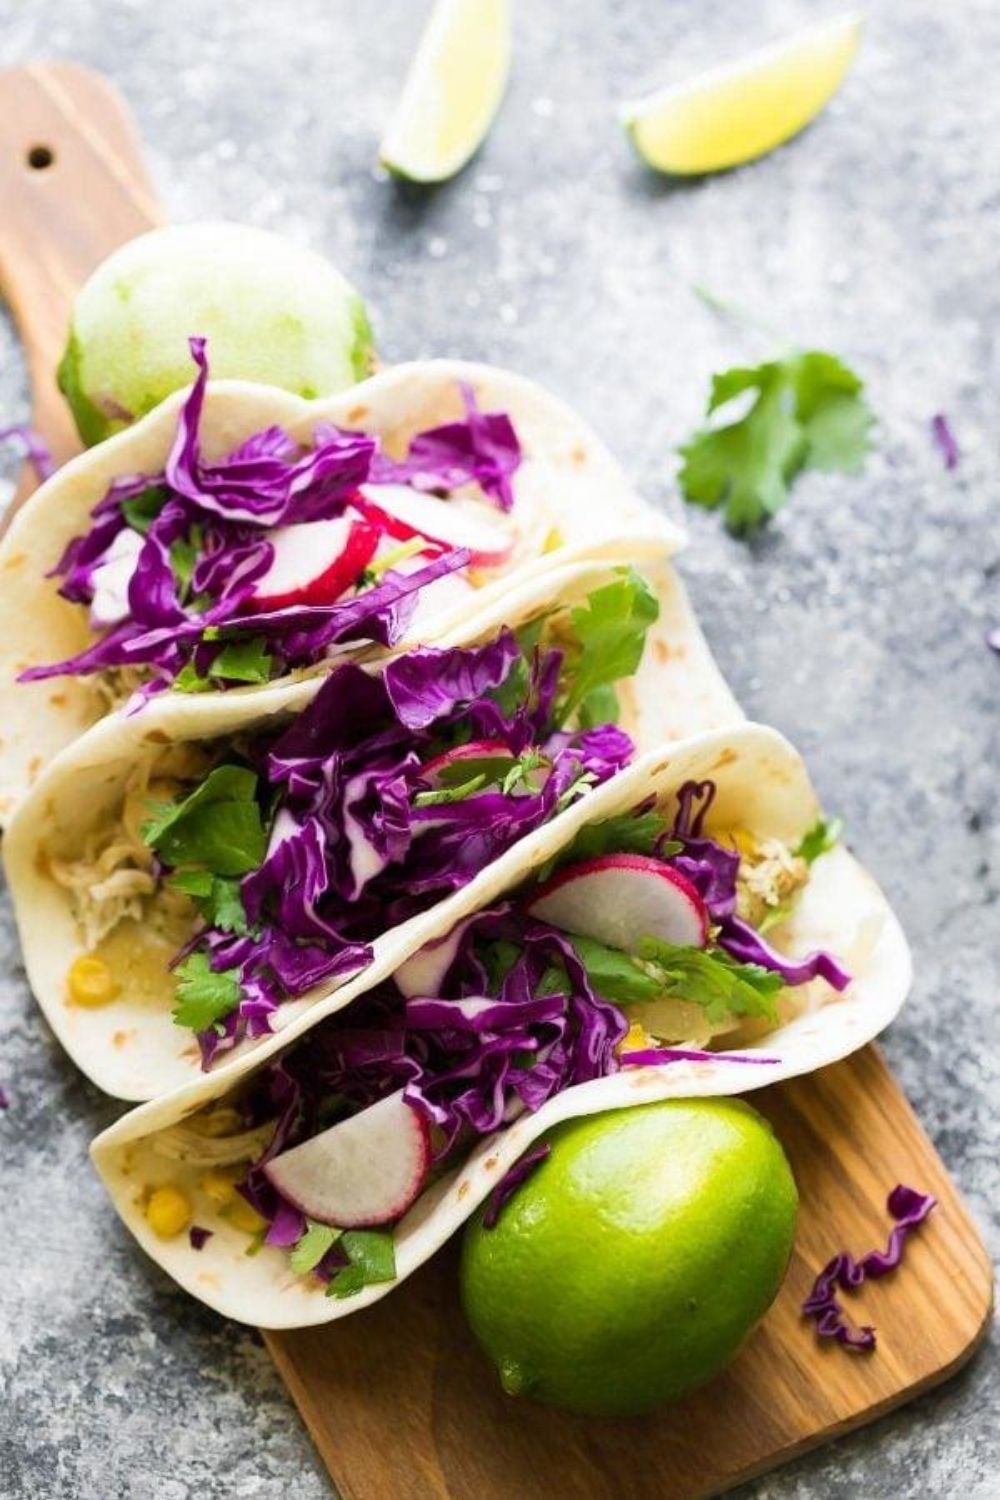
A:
[397,1399]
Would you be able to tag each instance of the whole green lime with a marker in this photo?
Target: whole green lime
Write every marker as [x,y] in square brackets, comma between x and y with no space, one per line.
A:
[631,1265]
[272,311]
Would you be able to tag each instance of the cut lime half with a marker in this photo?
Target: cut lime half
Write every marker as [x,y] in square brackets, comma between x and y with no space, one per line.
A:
[736,113]
[452,92]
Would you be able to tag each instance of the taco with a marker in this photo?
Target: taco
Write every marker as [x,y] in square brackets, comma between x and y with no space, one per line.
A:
[238,535]
[688,929]
[189,878]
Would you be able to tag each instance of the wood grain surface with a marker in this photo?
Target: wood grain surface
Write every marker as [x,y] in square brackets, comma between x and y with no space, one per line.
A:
[398,1400]
[74,187]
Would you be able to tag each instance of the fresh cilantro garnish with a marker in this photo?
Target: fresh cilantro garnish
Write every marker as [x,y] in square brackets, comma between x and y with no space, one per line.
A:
[708,977]
[140,511]
[203,996]
[614,974]
[605,644]
[822,836]
[190,680]
[520,772]
[217,828]
[184,553]
[372,1256]
[311,1248]
[444,794]
[243,661]
[626,833]
[808,413]
[218,899]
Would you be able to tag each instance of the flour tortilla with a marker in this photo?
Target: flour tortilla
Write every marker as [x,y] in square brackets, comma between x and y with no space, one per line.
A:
[568,487]
[131,1047]
[763,787]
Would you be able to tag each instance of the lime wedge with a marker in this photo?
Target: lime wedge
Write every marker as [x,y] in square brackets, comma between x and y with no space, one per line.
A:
[452,92]
[736,113]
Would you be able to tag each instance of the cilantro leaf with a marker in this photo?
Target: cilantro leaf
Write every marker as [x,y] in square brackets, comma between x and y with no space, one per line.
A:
[218,900]
[711,978]
[445,794]
[184,554]
[218,827]
[807,412]
[203,997]
[311,1248]
[243,661]
[625,833]
[190,680]
[372,1255]
[608,633]
[821,837]
[614,974]
[140,511]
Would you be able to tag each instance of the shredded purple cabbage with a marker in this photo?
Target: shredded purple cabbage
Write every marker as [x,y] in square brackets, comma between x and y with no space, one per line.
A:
[909,1208]
[511,1181]
[354,848]
[36,449]
[713,871]
[201,535]
[197,1236]
[645,1056]
[944,438]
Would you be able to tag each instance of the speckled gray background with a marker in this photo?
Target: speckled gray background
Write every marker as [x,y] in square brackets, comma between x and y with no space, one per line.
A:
[856,625]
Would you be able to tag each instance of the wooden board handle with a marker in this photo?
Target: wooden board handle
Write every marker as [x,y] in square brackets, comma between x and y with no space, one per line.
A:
[74,187]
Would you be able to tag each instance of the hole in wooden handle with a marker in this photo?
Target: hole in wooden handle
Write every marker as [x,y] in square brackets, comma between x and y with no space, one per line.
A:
[40,157]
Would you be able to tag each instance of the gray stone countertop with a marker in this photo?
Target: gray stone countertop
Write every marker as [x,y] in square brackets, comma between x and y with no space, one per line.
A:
[856,625]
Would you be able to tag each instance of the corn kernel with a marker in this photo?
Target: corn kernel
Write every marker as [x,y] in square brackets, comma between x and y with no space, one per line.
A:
[553,540]
[168,1211]
[244,1218]
[220,1188]
[90,981]
[635,1039]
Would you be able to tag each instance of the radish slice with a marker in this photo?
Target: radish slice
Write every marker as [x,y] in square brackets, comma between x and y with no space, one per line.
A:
[112,577]
[363,1171]
[619,899]
[489,757]
[407,512]
[315,562]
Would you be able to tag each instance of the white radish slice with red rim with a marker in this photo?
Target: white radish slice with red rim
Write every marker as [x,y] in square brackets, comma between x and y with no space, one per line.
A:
[619,899]
[364,1171]
[315,562]
[112,577]
[408,512]
[489,758]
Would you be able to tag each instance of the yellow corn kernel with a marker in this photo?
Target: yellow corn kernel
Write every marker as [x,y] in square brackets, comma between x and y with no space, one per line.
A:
[214,1123]
[553,540]
[220,1188]
[168,1211]
[635,1039]
[244,1218]
[90,981]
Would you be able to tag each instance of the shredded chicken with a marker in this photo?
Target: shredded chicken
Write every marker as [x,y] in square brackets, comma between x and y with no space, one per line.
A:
[117,684]
[113,875]
[189,1144]
[769,876]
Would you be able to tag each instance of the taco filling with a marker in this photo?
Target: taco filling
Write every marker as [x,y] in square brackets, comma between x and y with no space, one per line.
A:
[258,867]
[640,945]
[216,574]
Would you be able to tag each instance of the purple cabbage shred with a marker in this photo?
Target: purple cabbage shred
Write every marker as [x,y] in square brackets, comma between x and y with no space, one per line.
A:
[36,449]
[511,1181]
[945,441]
[909,1208]
[198,1236]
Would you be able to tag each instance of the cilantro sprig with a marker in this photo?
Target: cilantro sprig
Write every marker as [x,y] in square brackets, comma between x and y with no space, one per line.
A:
[806,411]
[723,986]
[204,997]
